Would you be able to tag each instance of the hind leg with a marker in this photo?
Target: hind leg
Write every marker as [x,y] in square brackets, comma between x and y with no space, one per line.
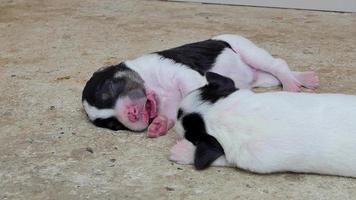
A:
[308,79]
[260,59]
[264,79]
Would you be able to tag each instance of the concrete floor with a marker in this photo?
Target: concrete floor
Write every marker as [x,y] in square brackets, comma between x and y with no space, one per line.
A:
[49,49]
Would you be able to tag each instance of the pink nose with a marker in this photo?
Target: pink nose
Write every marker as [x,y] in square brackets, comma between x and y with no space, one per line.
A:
[133,114]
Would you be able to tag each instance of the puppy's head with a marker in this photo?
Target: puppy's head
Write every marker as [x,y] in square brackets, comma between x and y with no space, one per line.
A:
[115,98]
[190,119]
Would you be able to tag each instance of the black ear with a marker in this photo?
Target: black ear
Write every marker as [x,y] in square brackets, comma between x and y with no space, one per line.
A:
[207,152]
[223,82]
[218,87]
[208,148]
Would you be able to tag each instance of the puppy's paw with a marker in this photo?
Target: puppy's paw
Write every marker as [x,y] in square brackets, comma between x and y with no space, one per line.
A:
[158,127]
[183,152]
[292,86]
[308,79]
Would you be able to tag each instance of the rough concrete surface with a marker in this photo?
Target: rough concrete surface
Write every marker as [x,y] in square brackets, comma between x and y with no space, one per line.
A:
[49,49]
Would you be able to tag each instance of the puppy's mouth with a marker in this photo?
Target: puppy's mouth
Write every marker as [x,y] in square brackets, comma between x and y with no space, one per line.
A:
[150,109]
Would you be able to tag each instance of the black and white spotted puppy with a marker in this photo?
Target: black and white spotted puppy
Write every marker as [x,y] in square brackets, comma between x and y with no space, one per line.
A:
[145,92]
[266,132]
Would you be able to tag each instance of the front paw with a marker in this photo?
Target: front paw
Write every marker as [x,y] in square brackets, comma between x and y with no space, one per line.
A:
[183,152]
[158,127]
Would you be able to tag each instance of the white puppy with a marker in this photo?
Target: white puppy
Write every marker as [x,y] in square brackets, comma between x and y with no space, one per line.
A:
[267,132]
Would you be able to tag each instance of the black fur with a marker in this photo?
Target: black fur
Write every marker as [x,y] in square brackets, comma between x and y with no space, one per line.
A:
[103,89]
[218,87]
[208,148]
[199,56]
[110,123]
[207,152]
[180,113]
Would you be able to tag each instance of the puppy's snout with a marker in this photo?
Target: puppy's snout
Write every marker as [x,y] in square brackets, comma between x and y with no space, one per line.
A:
[133,110]
[133,114]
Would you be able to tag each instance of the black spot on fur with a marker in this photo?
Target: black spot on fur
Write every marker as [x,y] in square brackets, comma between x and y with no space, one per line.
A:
[208,148]
[218,87]
[199,56]
[180,113]
[207,152]
[110,123]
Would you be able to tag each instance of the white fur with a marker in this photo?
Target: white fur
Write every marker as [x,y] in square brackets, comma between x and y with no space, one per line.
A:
[161,73]
[171,81]
[271,71]
[247,65]
[283,131]
[94,113]
[230,64]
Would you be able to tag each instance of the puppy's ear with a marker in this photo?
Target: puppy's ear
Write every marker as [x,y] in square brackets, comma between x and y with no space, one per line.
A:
[218,87]
[222,82]
[207,152]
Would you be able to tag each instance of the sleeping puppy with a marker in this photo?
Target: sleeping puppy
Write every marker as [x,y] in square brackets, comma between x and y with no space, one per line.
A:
[266,132]
[146,91]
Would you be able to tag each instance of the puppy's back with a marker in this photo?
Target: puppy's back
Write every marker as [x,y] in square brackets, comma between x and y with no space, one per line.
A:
[281,131]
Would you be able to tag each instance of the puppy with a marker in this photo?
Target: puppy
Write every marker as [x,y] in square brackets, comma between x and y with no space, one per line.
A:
[266,132]
[146,91]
